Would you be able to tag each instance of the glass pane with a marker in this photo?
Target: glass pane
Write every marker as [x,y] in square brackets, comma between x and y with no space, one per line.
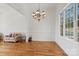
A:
[61,24]
[78,10]
[78,29]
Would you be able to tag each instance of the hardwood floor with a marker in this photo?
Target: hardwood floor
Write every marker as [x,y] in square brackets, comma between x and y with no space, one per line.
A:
[31,49]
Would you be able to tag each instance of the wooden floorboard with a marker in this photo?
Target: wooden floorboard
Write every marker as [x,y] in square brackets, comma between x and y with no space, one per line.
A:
[31,49]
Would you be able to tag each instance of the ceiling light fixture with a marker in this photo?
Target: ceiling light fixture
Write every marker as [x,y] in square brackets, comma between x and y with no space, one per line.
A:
[39,14]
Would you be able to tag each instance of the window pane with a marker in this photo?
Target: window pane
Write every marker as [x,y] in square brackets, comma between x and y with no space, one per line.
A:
[78,10]
[69,20]
[61,24]
[78,29]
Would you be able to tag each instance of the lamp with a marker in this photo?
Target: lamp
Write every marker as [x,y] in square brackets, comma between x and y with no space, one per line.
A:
[38,15]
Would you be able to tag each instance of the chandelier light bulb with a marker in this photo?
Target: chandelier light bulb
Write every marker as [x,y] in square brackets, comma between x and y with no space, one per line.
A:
[43,12]
[33,14]
[37,12]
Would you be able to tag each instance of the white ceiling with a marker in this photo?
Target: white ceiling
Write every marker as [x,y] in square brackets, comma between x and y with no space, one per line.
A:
[24,8]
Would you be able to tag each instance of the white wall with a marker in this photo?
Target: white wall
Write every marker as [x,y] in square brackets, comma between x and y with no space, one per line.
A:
[43,30]
[69,46]
[11,20]
[40,31]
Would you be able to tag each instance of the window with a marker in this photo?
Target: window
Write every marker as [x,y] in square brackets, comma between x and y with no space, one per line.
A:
[67,21]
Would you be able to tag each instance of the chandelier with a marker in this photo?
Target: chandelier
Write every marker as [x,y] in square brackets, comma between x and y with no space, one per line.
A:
[38,15]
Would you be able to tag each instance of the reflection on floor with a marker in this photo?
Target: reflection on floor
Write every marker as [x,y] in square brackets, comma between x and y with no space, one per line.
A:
[31,49]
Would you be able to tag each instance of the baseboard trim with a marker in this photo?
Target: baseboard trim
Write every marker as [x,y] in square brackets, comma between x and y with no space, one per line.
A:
[41,40]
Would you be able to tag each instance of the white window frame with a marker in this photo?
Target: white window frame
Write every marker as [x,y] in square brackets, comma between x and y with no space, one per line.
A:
[75,37]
